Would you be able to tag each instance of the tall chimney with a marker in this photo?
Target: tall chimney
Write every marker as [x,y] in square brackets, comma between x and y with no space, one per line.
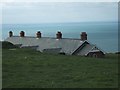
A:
[10,33]
[83,36]
[22,34]
[38,34]
[59,35]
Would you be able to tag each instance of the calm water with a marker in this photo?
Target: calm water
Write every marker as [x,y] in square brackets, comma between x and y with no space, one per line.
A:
[104,35]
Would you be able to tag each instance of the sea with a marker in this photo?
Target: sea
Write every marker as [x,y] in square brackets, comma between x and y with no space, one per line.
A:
[103,34]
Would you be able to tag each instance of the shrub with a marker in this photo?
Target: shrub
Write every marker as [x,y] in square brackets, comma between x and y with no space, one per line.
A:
[8,45]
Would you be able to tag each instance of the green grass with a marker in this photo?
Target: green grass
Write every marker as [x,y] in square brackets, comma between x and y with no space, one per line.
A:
[0,67]
[25,68]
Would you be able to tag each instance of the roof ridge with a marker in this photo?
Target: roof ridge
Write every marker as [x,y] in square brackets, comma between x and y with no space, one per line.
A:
[50,37]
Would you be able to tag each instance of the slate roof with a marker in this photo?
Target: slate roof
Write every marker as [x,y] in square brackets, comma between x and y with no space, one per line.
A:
[64,45]
[67,46]
[86,49]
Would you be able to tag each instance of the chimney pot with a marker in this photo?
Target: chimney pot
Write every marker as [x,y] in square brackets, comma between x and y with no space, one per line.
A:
[10,33]
[59,35]
[38,34]
[22,34]
[83,36]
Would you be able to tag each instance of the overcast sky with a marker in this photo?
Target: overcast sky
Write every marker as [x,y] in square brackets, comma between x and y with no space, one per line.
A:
[52,12]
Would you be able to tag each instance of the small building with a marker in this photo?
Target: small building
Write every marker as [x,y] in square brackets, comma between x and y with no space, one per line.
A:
[57,44]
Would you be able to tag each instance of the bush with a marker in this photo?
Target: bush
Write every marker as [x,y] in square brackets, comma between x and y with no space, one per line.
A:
[117,53]
[8,45]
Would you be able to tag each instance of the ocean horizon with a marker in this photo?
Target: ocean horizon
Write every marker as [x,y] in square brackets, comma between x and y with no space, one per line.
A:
[102,34]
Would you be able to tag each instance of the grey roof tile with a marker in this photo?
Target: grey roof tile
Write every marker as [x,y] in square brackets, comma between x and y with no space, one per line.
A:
[86,49]
[67,45]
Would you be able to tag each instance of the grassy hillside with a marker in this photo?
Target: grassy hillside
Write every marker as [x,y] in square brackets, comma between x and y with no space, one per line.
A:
[27,68]
[0,63]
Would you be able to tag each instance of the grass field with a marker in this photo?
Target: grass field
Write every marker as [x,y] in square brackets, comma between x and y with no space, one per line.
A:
[0,67]
[25,68]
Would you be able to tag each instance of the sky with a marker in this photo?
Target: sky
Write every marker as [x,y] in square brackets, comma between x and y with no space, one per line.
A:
[22,11]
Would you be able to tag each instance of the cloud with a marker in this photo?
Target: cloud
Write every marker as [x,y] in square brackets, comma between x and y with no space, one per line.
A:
[30,3]
[59,12]
[6,1]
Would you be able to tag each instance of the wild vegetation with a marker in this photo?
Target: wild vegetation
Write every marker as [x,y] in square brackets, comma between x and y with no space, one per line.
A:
[8,45]
[26,68]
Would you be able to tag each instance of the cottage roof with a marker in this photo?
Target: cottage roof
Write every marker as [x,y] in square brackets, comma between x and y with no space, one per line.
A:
[86,49]
[67,46]
[64,45]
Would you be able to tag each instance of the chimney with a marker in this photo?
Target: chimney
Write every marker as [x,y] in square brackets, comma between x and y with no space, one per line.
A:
[38,34]
[10,33]
[22,34]
[59,35]
[83,36]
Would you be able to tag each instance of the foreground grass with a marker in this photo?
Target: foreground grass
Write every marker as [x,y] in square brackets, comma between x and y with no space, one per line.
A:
[24,68]
[0,67]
